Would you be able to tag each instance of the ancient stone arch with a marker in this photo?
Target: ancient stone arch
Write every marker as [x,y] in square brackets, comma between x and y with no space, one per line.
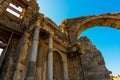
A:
[77,25]
[64,63]
[62,57]
[58,68]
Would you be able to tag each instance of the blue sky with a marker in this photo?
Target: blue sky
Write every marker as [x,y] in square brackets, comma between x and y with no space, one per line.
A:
[107,40]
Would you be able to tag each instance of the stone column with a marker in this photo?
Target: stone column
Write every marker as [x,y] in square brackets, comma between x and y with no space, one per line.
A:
[50,58]
[23,51]
[33,55]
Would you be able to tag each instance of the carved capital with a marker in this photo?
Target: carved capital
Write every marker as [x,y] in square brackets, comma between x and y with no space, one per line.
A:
[38,24]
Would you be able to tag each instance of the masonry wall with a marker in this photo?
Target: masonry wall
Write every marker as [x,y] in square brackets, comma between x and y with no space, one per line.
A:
[86,63]
[92,62]
[10,61]
[74,67]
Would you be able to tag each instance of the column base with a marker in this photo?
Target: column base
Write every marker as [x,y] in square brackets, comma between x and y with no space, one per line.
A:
[31,70]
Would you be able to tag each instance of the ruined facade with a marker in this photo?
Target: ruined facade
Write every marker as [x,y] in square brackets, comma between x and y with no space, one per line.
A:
[35,48]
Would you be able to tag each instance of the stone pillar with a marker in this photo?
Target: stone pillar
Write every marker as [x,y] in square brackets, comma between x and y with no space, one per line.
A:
[50,58]
[23,51]
[33,55]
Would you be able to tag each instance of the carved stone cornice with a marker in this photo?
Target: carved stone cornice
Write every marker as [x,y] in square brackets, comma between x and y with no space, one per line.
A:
[36,20]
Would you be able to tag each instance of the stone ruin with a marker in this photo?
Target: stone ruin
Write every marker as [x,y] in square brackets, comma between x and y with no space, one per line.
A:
[35,48]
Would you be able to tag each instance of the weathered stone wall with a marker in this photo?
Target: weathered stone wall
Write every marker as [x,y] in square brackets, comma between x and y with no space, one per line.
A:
[3,5]
[10,61]
[30,8]
[92,62]
[86,63]
[30,11]
[74,67]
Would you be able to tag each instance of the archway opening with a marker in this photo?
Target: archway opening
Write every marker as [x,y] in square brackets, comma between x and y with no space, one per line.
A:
[58,72]
[1,49]
[107,40]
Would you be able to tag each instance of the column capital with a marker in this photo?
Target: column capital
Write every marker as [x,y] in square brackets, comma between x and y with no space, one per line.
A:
[39,20]
[51,34]
[38,24]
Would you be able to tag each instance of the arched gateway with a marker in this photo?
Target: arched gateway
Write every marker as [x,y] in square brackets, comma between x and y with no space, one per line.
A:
[58,69]
[29,41]
[76,26]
